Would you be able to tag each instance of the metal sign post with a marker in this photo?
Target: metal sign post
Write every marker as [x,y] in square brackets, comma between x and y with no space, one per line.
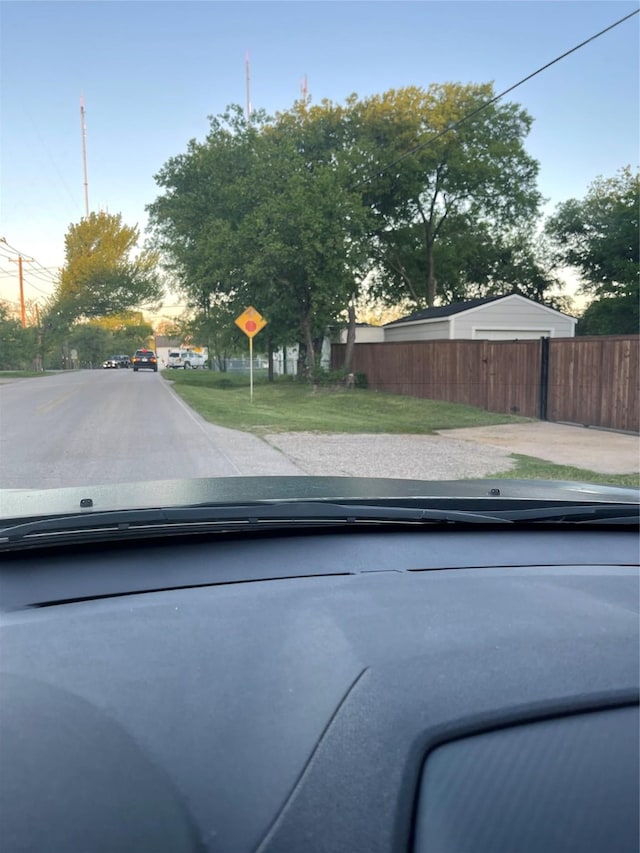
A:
[250,322]
[251,369]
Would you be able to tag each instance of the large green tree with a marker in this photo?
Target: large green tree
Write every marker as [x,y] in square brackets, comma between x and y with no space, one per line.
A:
[439,173]
[102,274]
[196,221]
[263,214]
[291,214]
[598,236]
[611,315]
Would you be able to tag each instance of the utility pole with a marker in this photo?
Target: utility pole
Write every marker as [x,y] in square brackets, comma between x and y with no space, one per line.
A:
[248,86]
[83,126]
[19,260]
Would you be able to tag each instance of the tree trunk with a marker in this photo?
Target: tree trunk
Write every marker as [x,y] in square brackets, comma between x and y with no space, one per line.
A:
[302,359]
[431,276]
[270,358]
[284,360]
[351,338]
[310,348]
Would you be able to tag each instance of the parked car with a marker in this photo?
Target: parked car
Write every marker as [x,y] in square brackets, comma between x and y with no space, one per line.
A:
[145,359]
[186,360]
[116,361]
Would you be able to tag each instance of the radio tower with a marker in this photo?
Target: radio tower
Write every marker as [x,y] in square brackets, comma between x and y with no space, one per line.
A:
[83,126]
[248,81]
[304,89]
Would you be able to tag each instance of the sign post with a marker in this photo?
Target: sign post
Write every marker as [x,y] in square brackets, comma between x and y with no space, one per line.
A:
[250,322]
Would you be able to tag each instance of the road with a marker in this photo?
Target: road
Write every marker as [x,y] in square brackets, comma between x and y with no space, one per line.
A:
[116,426]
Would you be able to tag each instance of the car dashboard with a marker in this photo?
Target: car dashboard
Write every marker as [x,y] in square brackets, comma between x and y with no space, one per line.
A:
[336,691]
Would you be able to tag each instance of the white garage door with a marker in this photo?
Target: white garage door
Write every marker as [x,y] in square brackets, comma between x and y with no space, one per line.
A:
[510,334]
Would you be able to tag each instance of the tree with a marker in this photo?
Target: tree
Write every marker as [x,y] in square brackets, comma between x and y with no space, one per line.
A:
[101,276]
[92,343]
[611,315]
[99,338]
[18,346]
[308,231]
[598,235]
[213,327]
[261,215]
[429,186]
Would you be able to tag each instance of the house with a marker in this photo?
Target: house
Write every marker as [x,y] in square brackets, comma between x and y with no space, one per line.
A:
[163,345]
[365,334]
[493,318]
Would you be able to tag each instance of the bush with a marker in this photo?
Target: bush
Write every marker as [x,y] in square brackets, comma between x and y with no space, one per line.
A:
[328,378]
[339,378]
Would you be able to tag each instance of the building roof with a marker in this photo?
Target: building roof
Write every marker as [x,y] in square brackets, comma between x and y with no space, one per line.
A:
[165,341]
[443,311]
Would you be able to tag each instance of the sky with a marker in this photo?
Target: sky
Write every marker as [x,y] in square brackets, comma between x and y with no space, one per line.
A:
[152,72]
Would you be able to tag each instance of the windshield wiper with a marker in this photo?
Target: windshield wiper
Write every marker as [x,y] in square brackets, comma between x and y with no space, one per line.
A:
[244,515]
[300,513]
[610,513]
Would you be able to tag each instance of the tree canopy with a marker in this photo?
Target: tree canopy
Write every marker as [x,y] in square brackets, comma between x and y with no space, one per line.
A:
[293,213]
[445,173]
[17,345]
[261,214]
[101,276]
[598,236]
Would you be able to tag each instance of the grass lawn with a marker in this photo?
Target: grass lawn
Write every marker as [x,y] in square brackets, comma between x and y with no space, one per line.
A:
[530,468]
[21,374]
[288,406]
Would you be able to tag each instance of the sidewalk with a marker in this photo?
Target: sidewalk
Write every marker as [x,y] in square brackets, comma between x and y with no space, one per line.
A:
[582,447]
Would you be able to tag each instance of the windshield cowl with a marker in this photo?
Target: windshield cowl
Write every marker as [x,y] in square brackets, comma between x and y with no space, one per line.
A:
[27,503]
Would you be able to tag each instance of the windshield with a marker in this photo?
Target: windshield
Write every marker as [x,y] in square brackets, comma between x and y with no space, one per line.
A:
[356,239]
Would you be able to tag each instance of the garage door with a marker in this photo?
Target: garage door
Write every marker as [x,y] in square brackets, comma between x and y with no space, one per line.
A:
[510,334]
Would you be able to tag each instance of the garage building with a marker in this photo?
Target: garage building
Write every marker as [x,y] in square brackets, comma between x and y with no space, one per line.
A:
[493,318]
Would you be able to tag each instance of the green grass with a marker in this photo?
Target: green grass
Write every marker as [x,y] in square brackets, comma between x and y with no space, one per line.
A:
[288,406]
[530,468]
[21,374]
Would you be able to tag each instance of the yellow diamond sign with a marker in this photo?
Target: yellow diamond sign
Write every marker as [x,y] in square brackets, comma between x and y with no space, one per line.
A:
[250,321]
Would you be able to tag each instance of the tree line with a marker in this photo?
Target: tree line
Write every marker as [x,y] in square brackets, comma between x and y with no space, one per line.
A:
[414,197]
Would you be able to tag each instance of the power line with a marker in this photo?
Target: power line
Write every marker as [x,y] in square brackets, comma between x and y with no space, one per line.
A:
[35,286]
[49,278]
[493,100]
[4,242]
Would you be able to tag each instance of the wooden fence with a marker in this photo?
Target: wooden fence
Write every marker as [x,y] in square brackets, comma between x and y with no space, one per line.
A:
[592,381]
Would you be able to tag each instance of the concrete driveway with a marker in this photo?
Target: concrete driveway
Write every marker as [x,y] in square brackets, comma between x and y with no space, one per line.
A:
[597,450]
[458,453]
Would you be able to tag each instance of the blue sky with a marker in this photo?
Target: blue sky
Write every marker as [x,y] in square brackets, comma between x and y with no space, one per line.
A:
[151,72]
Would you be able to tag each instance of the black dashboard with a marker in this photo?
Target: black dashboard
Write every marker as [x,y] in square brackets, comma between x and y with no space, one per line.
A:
[338,691]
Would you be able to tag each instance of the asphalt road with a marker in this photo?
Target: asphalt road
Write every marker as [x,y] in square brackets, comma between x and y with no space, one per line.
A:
[116,426]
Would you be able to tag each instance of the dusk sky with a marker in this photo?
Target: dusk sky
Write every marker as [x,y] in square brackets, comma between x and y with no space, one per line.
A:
[151,73]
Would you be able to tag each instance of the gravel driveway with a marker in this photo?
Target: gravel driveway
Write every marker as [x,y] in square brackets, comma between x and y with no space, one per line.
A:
[383,455]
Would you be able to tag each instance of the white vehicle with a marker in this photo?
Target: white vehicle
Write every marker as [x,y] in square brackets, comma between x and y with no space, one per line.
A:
[186,359]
